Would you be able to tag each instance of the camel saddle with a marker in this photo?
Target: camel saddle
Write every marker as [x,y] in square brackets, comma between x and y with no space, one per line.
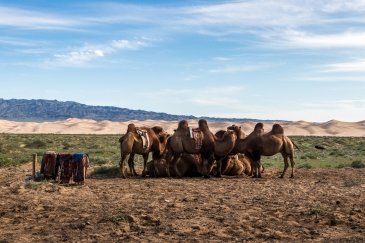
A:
[196,134]
[144,136]
[65,161]
[49,166]
[78,167]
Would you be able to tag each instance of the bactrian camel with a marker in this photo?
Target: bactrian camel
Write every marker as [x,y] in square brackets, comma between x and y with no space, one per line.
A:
[181,142]
[132,143]
[258,144]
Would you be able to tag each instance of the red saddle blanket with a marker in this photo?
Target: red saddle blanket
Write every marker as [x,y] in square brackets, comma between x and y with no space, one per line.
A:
[73,166]
[196,134]
[65,161]
[48,165]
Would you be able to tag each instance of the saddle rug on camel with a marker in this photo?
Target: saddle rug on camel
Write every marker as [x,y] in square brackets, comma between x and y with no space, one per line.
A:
[196,134]
[144,136]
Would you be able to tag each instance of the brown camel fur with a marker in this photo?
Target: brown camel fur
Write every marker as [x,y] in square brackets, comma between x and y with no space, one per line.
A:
[224,144]
[212,146]
[188,165]
[237,165]
[131,143]
[181,142]
[259,143]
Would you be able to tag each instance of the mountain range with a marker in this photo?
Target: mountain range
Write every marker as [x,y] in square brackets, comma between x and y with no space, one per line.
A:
[40,110]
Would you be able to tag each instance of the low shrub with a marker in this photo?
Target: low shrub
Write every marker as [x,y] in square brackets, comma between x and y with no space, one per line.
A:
[352,181]
[106,170]
[36,144]
[357,164]
[5,161]
[305,166]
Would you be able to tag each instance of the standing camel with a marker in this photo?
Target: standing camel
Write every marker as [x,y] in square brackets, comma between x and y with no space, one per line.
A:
[132,143]
[259,143]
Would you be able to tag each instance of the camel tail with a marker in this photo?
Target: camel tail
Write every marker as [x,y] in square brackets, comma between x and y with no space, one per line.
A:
[295,145]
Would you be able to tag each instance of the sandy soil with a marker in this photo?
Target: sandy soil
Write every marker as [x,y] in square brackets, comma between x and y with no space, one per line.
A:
[318,205]
[78,126]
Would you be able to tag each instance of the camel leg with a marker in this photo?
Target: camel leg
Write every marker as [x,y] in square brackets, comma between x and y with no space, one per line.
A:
[292,163]
[219,166]
[121,165]
[286,165]
[145,158]
[206,158]
[174,165]
[256,158]
[259,168]
[131,165]
[205,168]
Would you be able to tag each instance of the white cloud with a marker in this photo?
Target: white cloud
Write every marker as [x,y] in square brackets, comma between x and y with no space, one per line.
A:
[16,17]
[249,13]
[337,40]
[335,78]
[354,66]
[237,68]
[87,53]
[341,5]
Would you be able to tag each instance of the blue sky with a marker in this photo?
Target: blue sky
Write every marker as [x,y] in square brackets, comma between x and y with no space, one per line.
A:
[282,59]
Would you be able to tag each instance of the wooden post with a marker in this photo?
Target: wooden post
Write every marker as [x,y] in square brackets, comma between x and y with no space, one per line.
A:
[33,165]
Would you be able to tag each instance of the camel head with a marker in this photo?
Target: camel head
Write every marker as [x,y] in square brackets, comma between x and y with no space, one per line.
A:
[238,130]
[230,134]
[162,137]
[233,127]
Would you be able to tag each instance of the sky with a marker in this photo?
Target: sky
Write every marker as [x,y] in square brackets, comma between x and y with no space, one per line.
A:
[262,59]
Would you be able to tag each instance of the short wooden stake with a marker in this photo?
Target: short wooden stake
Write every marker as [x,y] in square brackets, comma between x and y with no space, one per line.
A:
[33,165]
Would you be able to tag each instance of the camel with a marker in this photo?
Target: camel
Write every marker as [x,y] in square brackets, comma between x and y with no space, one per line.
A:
[188,165]
[132,143]
[236,159]
[235,165]
[259,143]
[224,144]
[181,142]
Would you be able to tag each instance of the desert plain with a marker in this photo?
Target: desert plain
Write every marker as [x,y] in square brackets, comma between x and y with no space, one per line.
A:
[318,205]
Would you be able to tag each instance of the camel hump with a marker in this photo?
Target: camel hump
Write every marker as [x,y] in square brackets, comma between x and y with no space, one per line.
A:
[259,126]
[157,129]
[203,124]
[220,133]
[131,128]
[277,129]
[183,125]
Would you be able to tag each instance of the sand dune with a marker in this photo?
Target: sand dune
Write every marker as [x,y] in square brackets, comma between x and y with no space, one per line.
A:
[84,126]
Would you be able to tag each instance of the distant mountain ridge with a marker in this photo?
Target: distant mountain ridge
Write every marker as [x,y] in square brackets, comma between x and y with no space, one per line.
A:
[53,110]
